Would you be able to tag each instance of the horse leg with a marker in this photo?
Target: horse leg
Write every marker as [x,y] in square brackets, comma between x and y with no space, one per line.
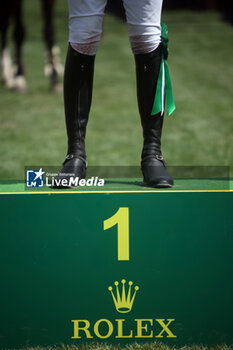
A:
[5,57]
[53,67]
[18,37]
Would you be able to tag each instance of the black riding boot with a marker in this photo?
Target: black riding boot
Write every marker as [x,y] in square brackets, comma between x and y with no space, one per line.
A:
[152,163]
[78,83]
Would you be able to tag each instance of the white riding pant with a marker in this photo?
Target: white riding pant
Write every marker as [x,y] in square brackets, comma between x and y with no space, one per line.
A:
[86,19]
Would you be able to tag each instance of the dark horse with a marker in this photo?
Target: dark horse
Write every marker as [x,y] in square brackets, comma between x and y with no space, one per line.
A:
[13,75]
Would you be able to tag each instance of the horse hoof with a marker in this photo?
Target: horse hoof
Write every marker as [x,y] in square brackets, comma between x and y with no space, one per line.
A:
[57,88]
[20,84]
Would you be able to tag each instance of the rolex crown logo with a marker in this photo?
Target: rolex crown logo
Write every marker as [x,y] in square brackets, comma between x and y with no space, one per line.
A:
[122,302]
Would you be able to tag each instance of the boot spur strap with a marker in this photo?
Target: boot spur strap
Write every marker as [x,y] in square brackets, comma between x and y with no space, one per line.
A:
[73,156]
[69,156]
[159,157]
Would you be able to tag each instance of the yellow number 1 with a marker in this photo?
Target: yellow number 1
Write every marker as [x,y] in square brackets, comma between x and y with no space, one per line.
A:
[121,219]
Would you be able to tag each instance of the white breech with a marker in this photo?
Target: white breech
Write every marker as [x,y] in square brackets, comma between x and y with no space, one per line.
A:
[86,19]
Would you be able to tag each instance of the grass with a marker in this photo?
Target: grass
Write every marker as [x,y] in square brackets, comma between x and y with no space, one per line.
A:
[133,346]
[32,128]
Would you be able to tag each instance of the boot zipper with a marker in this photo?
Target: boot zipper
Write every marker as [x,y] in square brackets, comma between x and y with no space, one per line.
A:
[79,108]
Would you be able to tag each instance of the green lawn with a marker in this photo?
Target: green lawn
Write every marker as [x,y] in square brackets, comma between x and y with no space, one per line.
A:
[121,185]
[32,128]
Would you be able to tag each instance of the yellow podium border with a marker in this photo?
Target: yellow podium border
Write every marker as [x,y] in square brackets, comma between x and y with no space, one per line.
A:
[95,192]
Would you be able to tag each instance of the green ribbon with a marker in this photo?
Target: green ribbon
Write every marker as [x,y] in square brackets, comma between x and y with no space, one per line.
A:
[164,85]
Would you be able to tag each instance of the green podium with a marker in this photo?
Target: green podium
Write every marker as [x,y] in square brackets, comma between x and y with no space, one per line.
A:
[115,266]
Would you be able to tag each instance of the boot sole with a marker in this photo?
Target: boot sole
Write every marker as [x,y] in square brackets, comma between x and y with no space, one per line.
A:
[158,185]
